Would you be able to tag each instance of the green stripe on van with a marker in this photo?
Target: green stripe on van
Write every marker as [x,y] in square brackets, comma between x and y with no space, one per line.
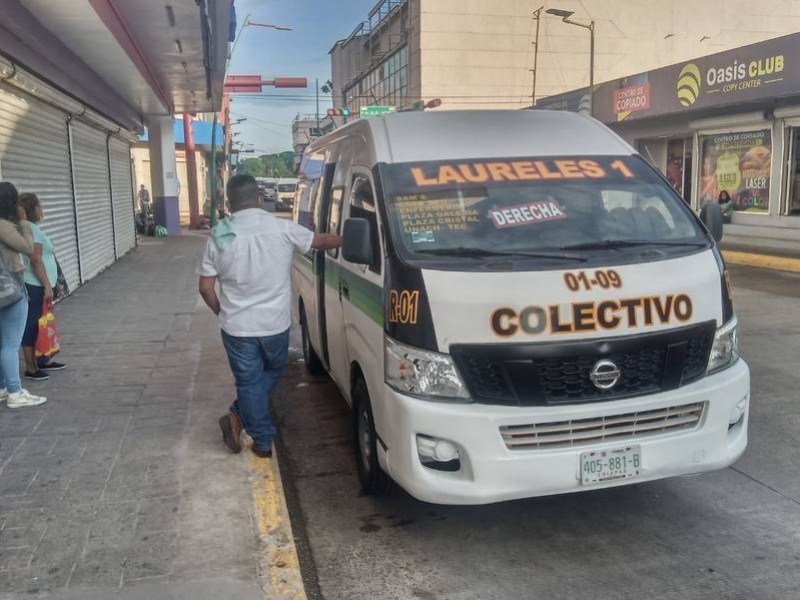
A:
[364,295]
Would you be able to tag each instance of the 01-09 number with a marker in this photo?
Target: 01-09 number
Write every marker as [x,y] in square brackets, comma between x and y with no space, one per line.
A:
[605,279]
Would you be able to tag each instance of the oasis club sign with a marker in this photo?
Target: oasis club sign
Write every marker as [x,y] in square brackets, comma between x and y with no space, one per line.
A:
[758,72]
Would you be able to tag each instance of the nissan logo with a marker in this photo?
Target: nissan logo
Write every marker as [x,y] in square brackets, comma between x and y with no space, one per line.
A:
[605,374]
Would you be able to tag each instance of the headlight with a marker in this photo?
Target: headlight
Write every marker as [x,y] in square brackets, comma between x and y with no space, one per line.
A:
[725,350]
[422,372]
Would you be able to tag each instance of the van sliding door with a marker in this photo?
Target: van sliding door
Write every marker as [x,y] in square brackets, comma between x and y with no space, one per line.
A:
[319,257]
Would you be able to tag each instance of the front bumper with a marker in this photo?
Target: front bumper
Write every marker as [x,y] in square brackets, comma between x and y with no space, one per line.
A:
[491,472]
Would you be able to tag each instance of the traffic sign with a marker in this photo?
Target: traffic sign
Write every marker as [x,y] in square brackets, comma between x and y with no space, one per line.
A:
[375,111]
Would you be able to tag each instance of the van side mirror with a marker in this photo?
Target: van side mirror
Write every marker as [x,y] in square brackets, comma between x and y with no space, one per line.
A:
[357,242]
[711,216]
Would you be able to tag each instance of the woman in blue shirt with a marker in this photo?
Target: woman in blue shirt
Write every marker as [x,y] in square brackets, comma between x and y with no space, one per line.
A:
[41,274]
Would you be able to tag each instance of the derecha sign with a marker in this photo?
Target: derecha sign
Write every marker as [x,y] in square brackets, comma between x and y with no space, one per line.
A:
[759,71]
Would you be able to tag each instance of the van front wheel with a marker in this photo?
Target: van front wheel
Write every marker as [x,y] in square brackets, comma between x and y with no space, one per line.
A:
[374,480]
[313,363]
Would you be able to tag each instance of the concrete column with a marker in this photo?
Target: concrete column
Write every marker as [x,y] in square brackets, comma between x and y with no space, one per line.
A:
[164,173]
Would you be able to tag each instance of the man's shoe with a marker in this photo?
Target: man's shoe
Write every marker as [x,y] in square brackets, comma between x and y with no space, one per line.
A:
[261,453]
[229,436]
[53,366]
[24,398]
[236,430]
[37,376]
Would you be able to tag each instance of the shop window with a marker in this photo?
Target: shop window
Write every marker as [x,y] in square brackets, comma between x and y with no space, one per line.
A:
[679,167]
[793,196]
[739,163]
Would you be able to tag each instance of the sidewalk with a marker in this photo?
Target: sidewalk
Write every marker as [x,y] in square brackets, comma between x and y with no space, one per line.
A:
[765,247]
[119,487]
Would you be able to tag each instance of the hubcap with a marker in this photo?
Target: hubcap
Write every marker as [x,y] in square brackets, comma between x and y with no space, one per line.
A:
[364,439]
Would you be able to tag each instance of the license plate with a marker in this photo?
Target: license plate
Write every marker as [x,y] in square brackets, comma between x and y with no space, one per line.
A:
[608,465]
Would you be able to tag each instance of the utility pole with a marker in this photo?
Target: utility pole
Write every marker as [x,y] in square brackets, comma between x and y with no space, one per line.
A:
[536,15]
[565,16]
[317,82]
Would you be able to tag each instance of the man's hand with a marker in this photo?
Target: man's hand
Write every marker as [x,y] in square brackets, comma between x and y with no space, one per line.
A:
[208,291]
[326,241]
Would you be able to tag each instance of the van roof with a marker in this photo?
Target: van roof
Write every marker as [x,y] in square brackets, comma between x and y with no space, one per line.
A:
[467,134]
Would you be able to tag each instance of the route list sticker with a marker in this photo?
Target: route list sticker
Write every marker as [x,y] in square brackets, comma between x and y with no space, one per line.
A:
[527,214]
[422,215]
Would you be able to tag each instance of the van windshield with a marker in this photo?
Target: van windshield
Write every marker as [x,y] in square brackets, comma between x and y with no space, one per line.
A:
[525,208]
[287,187]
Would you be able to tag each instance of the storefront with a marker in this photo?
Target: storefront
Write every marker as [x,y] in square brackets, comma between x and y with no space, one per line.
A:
[728,121]
[78,163]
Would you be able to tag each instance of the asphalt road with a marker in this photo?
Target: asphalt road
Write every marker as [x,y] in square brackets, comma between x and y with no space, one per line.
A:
[729,534]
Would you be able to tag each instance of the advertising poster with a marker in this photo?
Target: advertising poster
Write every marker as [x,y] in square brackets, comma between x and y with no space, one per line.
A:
[740,164]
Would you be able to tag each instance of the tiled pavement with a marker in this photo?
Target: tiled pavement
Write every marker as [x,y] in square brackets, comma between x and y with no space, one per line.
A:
[119,487]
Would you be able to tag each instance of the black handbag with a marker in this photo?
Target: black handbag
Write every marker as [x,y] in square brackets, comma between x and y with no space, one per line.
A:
[61,289]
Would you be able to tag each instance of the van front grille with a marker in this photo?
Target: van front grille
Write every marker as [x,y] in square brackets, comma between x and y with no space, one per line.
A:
[541,374]
[626,426]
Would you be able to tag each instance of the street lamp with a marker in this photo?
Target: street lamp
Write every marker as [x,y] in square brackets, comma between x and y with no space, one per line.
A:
[270,26]
[246,23]
[537,16]
[565,16]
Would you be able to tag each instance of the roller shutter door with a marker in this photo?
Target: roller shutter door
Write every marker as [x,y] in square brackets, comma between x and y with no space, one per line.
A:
[34,156]
[92,198]
[122,195]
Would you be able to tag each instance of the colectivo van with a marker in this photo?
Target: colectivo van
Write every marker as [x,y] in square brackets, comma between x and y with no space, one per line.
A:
[522,306]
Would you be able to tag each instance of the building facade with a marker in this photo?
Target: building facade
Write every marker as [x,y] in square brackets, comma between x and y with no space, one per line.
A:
[481,53]
[728,121]
[305,129]
[79,81]
[201,134]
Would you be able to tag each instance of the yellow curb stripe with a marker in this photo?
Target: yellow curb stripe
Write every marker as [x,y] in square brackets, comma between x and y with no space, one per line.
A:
[764,261]
[280,565]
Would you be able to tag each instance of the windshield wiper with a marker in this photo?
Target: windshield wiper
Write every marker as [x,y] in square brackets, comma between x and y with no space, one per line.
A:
[602,244]
[474,252]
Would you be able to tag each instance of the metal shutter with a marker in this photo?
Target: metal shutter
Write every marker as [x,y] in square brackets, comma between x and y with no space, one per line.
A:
[122,194]
[92,198]
[34,156]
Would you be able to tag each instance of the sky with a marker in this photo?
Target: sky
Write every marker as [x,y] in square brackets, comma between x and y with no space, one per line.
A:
[302,52]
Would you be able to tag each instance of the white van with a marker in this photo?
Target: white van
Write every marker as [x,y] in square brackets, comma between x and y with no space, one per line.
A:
[286,188]
[522,306]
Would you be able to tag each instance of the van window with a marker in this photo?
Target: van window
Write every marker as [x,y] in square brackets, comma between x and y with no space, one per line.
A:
[471,211]
[303,209]
[362,205]
[335,214]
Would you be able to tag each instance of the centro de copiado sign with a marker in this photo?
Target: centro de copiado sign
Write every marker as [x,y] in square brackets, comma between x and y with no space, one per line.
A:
[766,70]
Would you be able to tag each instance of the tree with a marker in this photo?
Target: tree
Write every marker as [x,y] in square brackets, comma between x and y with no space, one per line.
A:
[251,166]
[268,165]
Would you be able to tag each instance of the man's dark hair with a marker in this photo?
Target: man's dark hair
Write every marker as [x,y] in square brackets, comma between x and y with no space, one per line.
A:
[242,192]
[9,198]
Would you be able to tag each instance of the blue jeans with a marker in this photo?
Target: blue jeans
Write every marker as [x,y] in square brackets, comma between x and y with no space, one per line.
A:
[257,364]
[12,326]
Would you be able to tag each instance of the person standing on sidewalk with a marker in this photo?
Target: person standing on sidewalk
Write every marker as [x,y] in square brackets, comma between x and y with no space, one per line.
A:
[15,238]
[41,274]
[250,255]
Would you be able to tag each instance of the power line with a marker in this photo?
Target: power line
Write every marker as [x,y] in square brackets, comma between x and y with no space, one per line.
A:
[248,117]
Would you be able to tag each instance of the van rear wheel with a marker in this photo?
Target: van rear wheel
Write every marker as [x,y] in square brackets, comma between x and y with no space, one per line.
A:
[313,363]
[374,480]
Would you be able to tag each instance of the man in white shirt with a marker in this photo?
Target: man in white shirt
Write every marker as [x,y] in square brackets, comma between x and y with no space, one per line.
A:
[250,255]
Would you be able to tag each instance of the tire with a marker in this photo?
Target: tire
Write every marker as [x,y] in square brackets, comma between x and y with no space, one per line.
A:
[313,363]
[374,480]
